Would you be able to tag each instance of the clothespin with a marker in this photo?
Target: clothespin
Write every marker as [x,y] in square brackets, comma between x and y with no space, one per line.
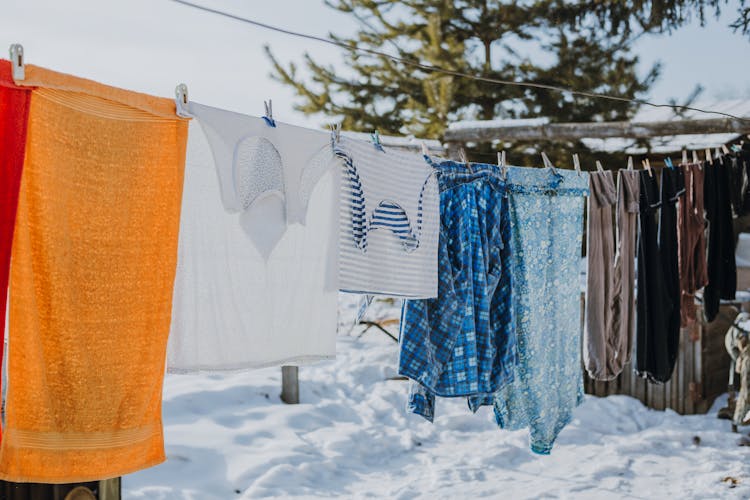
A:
[668,163]
[464,160]
[547,163]
[684,157]
[599,166]
[736,148]
[501,163]
[268,117]
[16,61]
[708,156]
[717,153]
[376,141]
[576,163]
[695,157]
[181,101]
[647,167]
[725,149]
[425,151]
[630,163]
[335,134]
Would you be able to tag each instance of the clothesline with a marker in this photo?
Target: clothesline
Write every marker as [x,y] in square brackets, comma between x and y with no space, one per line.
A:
[437,69]
[147,230]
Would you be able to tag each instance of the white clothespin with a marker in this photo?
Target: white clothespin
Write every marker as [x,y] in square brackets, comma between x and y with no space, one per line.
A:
[695,157]
[425,150]
[717,153]
[708,156]
[547,163]
[16,61]
[268,117]
[599,166]
[684,157]
[577,163]
[501,163]
[181,101]
[335,133]
[630,163]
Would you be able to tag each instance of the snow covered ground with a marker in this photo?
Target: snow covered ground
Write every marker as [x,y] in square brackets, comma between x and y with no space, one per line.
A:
[229,436]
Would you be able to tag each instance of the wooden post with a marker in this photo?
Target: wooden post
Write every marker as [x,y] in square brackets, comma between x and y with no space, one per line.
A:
[290,385]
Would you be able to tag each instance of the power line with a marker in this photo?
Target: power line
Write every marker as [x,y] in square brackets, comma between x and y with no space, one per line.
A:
[438,69]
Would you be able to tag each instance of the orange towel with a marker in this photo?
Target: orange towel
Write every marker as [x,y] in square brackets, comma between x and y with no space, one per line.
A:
[92,271]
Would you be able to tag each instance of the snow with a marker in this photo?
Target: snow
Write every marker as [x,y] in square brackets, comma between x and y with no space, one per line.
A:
[229,436]
[500,122]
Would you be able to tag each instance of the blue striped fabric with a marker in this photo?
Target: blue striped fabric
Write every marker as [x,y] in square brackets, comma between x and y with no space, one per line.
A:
[387,215]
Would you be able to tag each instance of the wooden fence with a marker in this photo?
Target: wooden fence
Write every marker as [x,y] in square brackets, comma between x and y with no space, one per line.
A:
[701,372]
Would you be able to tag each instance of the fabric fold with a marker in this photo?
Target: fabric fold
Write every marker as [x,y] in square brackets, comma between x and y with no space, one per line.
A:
[95,249]
[14,112]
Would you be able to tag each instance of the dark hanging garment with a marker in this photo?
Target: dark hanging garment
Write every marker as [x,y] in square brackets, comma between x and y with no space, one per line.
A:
[672,191]
[722,270]
[654,304]
[738,184]
[743,159]
[691,228]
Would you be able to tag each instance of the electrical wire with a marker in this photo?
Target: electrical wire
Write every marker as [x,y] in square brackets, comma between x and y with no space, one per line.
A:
[438,69]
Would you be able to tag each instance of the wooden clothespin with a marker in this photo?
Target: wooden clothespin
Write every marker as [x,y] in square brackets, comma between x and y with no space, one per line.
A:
[708,156]
[547,163]
[17,63]
[695,157]
[684,157]
[181,101]
[576,163]
[464,160]
[630,163]
[725,149]
[268,117]
[501,163]
[647,167]
[599,166]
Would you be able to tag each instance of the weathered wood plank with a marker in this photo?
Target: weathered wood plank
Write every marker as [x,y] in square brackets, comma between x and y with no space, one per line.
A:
[594,130]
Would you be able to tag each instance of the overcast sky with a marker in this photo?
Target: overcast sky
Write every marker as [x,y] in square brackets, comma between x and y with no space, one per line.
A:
[151,45]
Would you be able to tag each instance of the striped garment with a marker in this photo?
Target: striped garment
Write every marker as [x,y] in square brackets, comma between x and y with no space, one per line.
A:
[390,249]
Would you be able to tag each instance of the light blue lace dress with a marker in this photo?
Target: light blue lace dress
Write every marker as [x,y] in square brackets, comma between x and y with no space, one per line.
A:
[546,213]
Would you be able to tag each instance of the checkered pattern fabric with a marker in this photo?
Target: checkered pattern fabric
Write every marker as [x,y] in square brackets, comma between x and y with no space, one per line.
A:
[462,343]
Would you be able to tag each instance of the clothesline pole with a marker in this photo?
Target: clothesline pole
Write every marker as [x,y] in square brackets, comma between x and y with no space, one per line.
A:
[290,384]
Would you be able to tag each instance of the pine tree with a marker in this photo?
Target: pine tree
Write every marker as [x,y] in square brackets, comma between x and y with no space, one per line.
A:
[585,47]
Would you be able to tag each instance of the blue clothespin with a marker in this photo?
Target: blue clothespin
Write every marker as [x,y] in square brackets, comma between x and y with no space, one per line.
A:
[736,148]
[376,141]
[268,117]
[668,162]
